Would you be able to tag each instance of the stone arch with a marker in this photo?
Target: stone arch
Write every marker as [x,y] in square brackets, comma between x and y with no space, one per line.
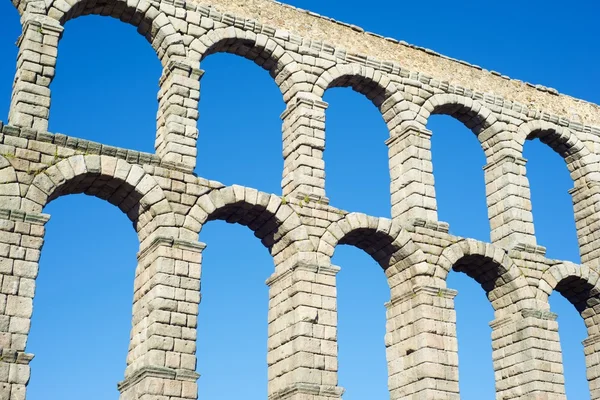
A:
[407,120]
[472,113]
[583,166]
[384,240]
[10,195]
[563,141]
[275,223]
[579,285]
[127,186]
[152,23]
[374,84]
[505,285]
[256,47]
[403,114]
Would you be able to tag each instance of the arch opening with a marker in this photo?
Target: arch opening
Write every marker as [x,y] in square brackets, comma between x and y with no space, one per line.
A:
[473,315]
[390,248]
[108,91]
[576,290]
[234,297]
[507,292]
[483,270]
[369,88]
[86,255]
[279,229]
[459,182]
[263,223]
[355,131]
[582,294]
[240,136]
[361,293]
[551,203]
[572,332]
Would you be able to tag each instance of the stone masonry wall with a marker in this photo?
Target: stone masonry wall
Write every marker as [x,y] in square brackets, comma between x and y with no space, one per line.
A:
[168,204]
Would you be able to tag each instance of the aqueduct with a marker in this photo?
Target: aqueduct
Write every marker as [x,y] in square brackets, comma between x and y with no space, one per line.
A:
[306,54]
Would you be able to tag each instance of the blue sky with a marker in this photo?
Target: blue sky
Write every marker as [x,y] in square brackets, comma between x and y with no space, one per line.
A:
[105,90]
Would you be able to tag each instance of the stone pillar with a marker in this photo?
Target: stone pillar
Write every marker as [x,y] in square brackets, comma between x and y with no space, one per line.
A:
[411,173]
[586,198]
[177,117]
[36,63]
[527,356]
[303,146]
[591,348]
[509,203]
[21,240]
[422,350]
[302,345]
[161,364]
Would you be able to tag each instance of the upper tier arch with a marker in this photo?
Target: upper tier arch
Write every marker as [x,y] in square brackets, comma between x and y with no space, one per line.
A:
[473,114]
[580,161]
[259,48]
[152,23]
[373,84]
[401,113]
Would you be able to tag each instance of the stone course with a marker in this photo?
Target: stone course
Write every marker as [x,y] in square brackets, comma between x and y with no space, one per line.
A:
[168,204]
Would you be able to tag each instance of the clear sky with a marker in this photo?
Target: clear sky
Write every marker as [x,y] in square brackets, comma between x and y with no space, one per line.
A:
[105,90]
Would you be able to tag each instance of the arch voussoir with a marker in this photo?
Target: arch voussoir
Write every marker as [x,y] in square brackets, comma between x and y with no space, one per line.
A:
[578,284]
[259,48]
[375,85]
[151,22]
[561,139]
[274,223]
[126,186]
[472,113]
[382,239]
[490,266]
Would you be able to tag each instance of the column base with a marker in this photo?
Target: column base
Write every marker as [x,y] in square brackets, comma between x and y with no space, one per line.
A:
[299,391]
